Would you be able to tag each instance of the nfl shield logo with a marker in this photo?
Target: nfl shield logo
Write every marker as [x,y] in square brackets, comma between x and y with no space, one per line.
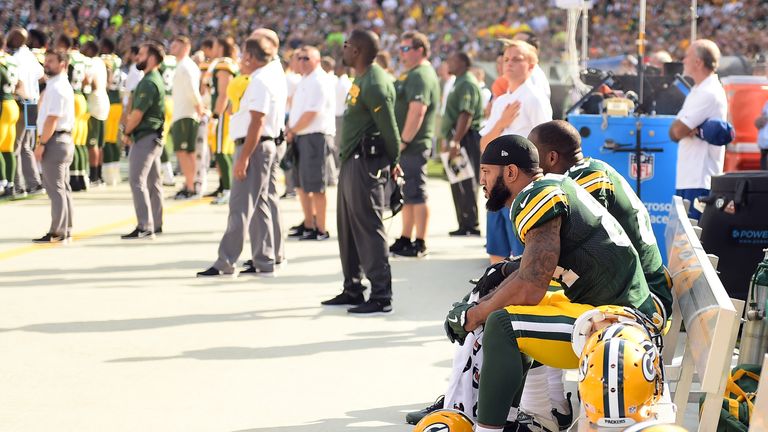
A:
[646,166]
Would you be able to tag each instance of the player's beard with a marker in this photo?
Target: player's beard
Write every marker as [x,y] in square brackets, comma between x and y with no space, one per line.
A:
[141,65]
[498,196]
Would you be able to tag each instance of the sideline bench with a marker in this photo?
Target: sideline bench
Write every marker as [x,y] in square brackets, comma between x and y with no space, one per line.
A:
[759,420]
[711,322]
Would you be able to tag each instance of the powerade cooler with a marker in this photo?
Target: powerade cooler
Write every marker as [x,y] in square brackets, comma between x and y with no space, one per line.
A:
[613,140]
[735,226]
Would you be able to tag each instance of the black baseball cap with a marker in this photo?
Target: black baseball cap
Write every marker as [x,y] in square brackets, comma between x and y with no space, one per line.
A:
[511,150]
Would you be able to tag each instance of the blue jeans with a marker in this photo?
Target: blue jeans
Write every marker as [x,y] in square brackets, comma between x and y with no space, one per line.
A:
[691,195]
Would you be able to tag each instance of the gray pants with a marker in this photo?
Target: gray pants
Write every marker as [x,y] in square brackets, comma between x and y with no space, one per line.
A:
[27,174]
[57,156]
[145,178]
[274,207]
[465,192]
[362,239]
[249,207]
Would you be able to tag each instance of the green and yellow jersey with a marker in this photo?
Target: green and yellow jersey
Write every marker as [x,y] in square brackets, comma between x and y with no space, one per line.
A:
[115,77]
[611,190]
[236,89]
[168,70]
[220,64]
[9,77]
[598,264]
[76,71]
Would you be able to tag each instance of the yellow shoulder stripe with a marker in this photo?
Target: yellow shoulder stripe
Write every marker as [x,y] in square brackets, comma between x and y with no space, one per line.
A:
[590,177]
[532,203]
[558,198]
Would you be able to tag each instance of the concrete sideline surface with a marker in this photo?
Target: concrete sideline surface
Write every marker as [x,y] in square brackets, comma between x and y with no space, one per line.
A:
[109,335]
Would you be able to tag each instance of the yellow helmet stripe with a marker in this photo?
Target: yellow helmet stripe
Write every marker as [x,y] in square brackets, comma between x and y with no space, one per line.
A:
[612,403]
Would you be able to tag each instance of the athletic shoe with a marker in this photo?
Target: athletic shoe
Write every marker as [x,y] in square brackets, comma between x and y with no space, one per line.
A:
[416,416]
[158,231]
[564,420]
[315,234]
[526,422]
[138,234]
[49,238]
[296,229]
[215,193]
[465,232]
[10,193]
[214,272]
[399,245]
[36,190]
[184,194]
[221,199]
[344,299]
[417,249]
[372,306]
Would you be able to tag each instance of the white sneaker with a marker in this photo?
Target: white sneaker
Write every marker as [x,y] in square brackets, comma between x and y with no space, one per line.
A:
[221,199]
[533,422]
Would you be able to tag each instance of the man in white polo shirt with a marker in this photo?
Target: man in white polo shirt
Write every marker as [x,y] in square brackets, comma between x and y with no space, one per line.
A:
[311,125]
[187,108]
[55,120]
[697,160]
[254,129]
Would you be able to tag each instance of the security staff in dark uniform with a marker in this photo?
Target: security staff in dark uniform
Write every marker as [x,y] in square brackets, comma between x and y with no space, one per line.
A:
[460,126]
[369,153]
[145,126]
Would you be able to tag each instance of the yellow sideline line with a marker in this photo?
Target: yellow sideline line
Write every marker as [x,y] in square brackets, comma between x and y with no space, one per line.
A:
[93,232]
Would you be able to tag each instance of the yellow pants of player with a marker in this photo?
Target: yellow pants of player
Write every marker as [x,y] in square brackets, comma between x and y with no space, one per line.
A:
[544,331]
[80,130]
[218,136]
[9,116]
[112,125]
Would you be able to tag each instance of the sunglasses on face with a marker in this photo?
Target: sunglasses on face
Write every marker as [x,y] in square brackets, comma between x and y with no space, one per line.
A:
[405,48]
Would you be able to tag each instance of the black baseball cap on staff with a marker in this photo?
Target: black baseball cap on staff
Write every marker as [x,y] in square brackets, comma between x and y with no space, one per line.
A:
[511,150]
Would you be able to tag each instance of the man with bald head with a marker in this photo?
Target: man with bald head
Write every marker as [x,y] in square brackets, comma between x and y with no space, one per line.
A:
[311,127]
[30,72]
[369,153]
[697,160]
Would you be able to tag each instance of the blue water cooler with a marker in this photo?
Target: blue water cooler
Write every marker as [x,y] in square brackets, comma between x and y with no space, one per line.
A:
[613,140]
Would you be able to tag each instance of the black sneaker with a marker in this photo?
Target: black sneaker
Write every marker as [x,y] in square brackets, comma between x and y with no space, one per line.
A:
[344,299]
[417,249]
[526,422]
[465,232]
[214,272]
[315,235]
[215,193]
[158,230]
[49,238]
[399,245]
[372,307]
[298,231]
[138,234]
[564,420]
[184,194]
[416,416]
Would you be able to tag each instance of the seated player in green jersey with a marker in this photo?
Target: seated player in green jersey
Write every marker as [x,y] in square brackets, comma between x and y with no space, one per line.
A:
[559,146]
[567,235]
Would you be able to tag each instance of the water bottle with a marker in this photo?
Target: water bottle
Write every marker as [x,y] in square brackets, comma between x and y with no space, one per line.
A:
[754,339]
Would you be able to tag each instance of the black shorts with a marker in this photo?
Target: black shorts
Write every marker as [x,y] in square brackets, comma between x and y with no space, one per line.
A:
[414,168]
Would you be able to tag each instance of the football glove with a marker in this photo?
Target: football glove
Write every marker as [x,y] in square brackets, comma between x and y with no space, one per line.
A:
[456,320]
[495,275]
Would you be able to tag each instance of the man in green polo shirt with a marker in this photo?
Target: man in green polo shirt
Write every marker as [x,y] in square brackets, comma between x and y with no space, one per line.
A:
[460,126]
[145,124]
[369,152]
[418,99]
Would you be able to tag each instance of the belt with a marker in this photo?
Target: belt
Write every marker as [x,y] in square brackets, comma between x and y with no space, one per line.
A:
[61,132]
[241,141]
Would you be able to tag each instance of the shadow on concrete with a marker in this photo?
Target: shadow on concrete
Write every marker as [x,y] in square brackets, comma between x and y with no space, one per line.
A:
[155,323]
[416,337]
[386,419]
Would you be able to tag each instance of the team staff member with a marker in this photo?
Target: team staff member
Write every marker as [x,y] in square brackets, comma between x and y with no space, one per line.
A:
[697,160]
[115,80]
[370,150]
[311,126]
[188,106]
[55,151]
[98,108]
[460,126]
[561,226]
[30,72]
[254,127]
[223,69]
[144,124]
[518,111]
[10,86]
[418,99]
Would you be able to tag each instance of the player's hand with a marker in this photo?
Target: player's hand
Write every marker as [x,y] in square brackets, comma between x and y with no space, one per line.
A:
[510,113]
[495,275]
[456,320]
[241,168]
[397,172]
[39,152]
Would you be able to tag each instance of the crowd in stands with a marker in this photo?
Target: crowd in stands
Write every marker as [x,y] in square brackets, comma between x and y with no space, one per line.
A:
[737,26]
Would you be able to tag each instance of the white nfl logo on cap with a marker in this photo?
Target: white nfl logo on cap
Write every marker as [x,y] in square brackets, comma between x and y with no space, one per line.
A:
[504,153]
